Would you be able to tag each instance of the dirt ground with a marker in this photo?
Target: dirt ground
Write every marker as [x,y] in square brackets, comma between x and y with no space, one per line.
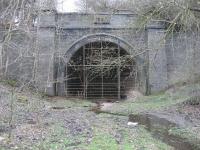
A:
[32,121]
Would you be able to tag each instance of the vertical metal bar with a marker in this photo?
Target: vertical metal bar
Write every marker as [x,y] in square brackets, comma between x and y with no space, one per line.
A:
[86,83]
[84,74]
[102,88]
[66,80]
[118,72]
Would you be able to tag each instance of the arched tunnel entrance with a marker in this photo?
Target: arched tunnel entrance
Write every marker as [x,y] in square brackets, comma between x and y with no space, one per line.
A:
[100,70]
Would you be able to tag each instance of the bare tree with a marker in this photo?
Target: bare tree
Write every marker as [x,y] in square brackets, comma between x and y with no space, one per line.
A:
[181,14]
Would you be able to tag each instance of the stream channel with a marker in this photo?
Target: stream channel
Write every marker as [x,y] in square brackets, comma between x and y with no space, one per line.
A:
[160,127]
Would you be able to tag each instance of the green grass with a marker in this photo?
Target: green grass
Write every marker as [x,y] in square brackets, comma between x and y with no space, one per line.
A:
[137,138]
[103,138]
[102,141]
[55,140]
[104,131]
[146,141]
[153,102]
[188,134]
[11,82]
[70,103]
[140,139]
[146,103]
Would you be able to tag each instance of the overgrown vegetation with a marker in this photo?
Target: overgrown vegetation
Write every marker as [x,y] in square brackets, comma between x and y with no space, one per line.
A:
[20,16]
[178,15]
[73,127]
[147,103]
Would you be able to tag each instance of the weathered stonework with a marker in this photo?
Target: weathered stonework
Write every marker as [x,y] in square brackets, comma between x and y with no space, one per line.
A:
[41,58]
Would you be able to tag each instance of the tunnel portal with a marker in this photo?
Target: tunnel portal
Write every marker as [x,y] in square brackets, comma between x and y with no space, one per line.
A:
[100,70]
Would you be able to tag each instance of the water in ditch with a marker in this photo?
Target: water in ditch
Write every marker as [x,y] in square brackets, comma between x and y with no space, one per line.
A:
[159,127]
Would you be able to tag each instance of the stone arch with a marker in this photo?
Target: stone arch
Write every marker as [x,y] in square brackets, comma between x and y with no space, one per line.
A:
[99,38]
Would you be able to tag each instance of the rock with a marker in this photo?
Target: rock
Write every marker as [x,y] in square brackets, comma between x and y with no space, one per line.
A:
[134,95]
[106,106]
[15,147]
[1,139]
[134,124]
[58,107]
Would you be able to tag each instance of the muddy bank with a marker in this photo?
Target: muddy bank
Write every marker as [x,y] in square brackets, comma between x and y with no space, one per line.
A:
[46,123]
[161,124]
[59,123]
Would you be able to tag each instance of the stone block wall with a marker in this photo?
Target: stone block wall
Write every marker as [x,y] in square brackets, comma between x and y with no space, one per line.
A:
[157,60]
[183,57]
[38,58]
